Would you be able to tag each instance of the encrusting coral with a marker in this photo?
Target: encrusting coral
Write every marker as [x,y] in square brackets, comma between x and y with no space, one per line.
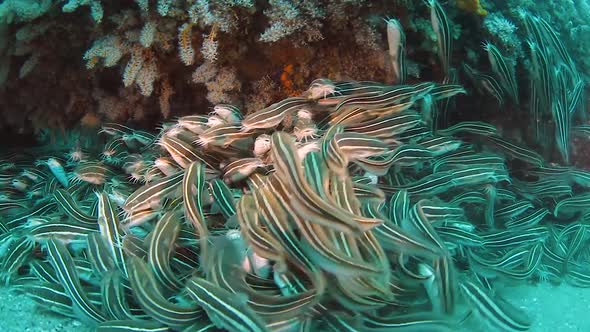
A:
[153,48]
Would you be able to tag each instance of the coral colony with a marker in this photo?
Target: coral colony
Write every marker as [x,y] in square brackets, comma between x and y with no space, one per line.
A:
[292,202]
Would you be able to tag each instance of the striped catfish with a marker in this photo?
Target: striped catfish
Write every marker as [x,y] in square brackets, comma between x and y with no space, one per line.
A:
[161,248]
[114,151]
[229,275]
[193,186]
[64,231]
[50,296]
[95,173]
[554,41]
[431,184]
[288,166]
[398,207]
[510,238]
[147,293]
[467,160]
[241,169]
[486,84]
[67,204]
[332,155]
[153,193]
[357,145]
[515,151]
[439,211]
[512,210]
[223,198]
[470,127]
[317,247]
[226,310]
[440,145]
[419,225]
[276,215]
[395,239]
[43,271]
[377,165]
[274,114]
[320,88]
[111,230]
[229,113]
[222,135]
[503,71]
[460,236]
[420,321]
[115,129]
[386,128]
[114,296]
[182,151]
[99,254]
[578,275]
[529,266]
[573,204]
[42,207]
[361,293]
[131,325]
[575,242]
[410,155]
[194,123]
[347,116]
[63,263]
[16,257]
[529,220]
[135,246]
[496,312]
[391,100]
[396,40]
[442,28]
[261,240]
[506,260]
[562,116]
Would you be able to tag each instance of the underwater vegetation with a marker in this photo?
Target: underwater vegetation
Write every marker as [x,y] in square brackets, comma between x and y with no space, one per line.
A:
[347,205]
[95,61]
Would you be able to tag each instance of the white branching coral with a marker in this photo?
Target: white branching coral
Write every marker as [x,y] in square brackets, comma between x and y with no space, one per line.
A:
[185,46]
[146,77]
[164,7]
[96,10]
[287,17]
[209,48]
[143,4]
[133,67]
[109,48]
[220,82]
[166,91]
[31,31]
[205,72]
[207,13]
[220,89]
[504,31]
[147,35]
[28,65]
[15,11]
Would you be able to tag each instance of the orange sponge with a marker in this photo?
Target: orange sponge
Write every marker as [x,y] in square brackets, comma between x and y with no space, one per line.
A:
[472,6]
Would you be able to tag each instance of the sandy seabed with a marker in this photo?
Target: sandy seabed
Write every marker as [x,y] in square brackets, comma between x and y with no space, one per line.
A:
[553,309]
[18,313]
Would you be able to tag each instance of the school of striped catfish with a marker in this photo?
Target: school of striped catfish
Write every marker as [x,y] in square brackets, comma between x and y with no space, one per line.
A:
[349,207]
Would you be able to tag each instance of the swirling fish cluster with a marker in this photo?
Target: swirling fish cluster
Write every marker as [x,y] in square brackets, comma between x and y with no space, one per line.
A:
[336,210]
